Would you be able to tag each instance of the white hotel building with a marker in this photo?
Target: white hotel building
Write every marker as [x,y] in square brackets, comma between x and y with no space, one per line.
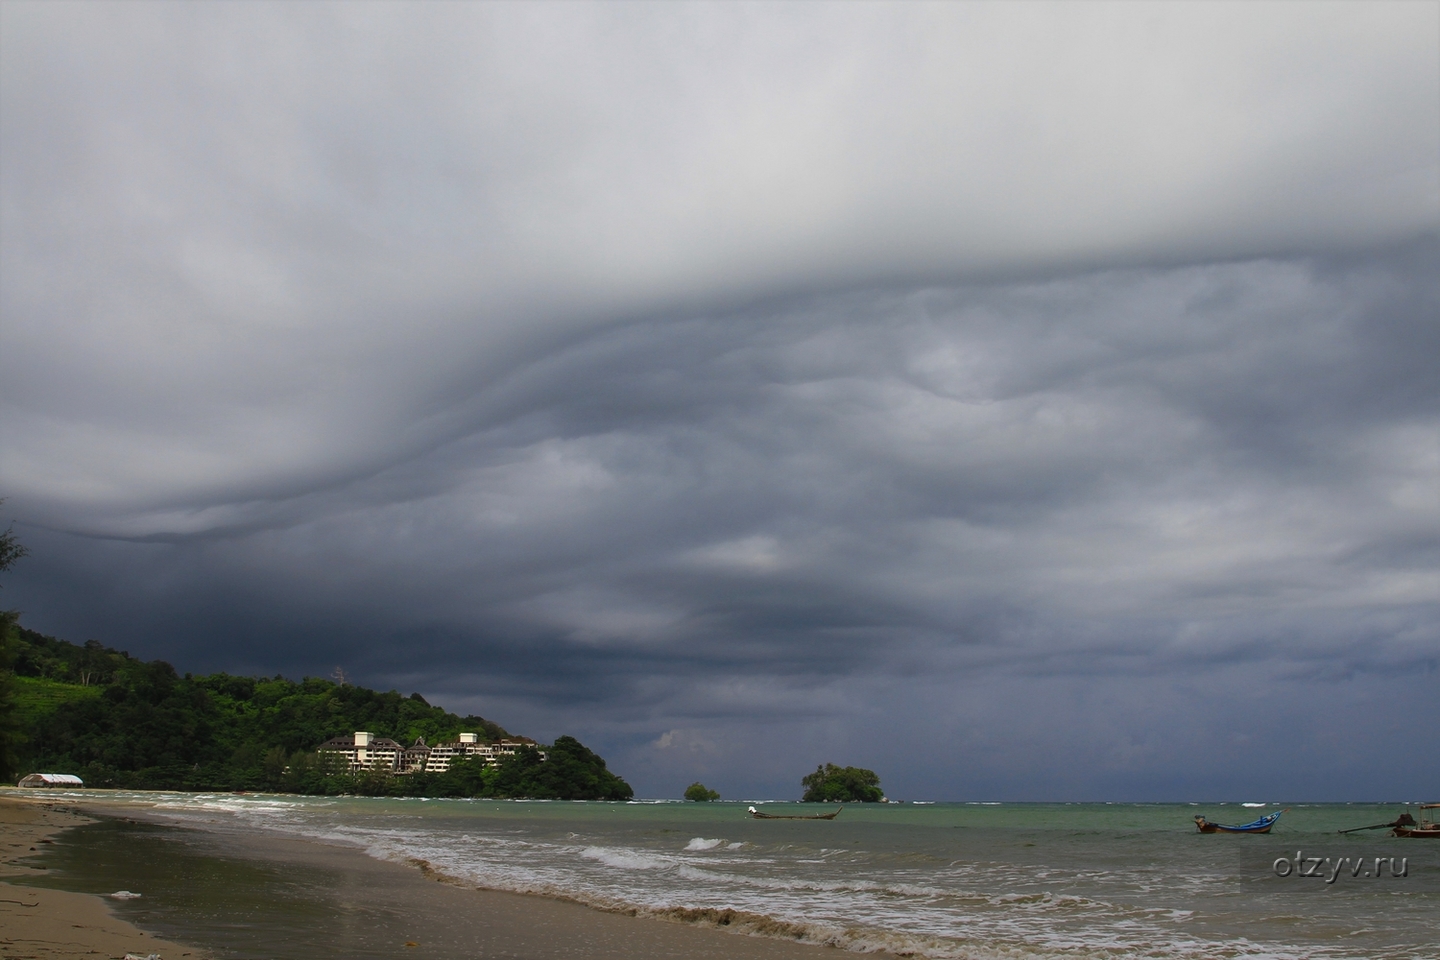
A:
[365,751]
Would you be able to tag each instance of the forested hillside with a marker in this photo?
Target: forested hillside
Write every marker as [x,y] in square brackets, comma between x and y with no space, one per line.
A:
[117,721]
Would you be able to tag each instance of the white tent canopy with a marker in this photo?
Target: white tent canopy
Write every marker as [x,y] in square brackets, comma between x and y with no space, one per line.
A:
[51,780]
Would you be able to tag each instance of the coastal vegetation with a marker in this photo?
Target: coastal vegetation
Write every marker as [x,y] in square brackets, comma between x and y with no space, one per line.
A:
[832,784]
[699,792]
[118,721]
[11,550]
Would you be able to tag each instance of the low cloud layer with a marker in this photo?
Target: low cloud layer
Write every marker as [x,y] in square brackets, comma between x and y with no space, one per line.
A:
[1023,401]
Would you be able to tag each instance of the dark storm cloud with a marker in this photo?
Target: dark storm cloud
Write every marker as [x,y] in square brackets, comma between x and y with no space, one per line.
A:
[771,515]
[951,384]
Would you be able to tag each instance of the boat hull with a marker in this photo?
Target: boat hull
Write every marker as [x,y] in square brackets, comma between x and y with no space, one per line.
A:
[1262,825]
[1427,829]
[777,816]
[1221,828]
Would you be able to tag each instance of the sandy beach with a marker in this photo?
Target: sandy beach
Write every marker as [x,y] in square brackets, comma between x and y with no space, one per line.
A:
[354,905]
[39,924]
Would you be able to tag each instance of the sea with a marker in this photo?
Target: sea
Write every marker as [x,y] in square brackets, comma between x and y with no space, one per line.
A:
[936,880]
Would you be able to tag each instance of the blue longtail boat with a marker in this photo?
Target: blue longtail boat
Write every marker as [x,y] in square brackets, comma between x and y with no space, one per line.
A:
[1262,825]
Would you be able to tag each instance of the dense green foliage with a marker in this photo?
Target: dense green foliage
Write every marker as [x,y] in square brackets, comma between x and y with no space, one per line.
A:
[117,721]
[571,772]
[10,723]
[832,784]
[11,550]
[700,793]
[35,697]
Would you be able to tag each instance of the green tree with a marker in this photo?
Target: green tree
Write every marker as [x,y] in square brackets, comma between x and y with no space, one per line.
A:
[273,766]
[832,784]
[118,721]
[567,771]
[11,736]
[11,549]
[700,793]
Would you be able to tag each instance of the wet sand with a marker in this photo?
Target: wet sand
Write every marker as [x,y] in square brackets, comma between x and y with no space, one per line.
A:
[241,893]
[40,924]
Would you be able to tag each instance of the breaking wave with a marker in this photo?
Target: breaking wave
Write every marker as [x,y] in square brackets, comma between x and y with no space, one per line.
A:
[700,843]
[859,888]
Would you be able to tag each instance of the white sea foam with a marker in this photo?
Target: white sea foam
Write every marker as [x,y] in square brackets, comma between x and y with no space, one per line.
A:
[808,882]
[700,843]
[626,859]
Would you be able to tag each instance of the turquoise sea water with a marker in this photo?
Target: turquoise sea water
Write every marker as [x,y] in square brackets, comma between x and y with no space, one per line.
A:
[938,880]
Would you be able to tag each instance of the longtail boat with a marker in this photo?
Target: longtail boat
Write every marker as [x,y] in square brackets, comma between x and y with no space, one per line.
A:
[1427,827]
[1404,820]
[1406,825]
[1262,825]
[780,816]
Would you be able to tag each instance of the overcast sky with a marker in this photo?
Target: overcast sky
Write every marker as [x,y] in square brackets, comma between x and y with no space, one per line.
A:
[1026,401]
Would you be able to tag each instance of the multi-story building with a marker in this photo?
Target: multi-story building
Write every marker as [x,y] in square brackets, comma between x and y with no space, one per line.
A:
[441,755]
[365,751]
[415,757]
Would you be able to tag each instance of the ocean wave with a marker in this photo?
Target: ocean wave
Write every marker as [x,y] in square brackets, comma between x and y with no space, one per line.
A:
[697,844]
[871,898]
[866,939]
[626,858]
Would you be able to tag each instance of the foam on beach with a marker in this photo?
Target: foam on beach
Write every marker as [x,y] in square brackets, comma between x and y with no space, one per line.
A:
[945,886]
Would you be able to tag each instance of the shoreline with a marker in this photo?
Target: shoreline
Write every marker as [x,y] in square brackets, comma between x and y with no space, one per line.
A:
[38,923]
[390,908]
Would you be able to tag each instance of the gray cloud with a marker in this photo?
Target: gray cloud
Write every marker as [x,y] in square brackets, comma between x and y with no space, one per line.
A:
[997,385]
